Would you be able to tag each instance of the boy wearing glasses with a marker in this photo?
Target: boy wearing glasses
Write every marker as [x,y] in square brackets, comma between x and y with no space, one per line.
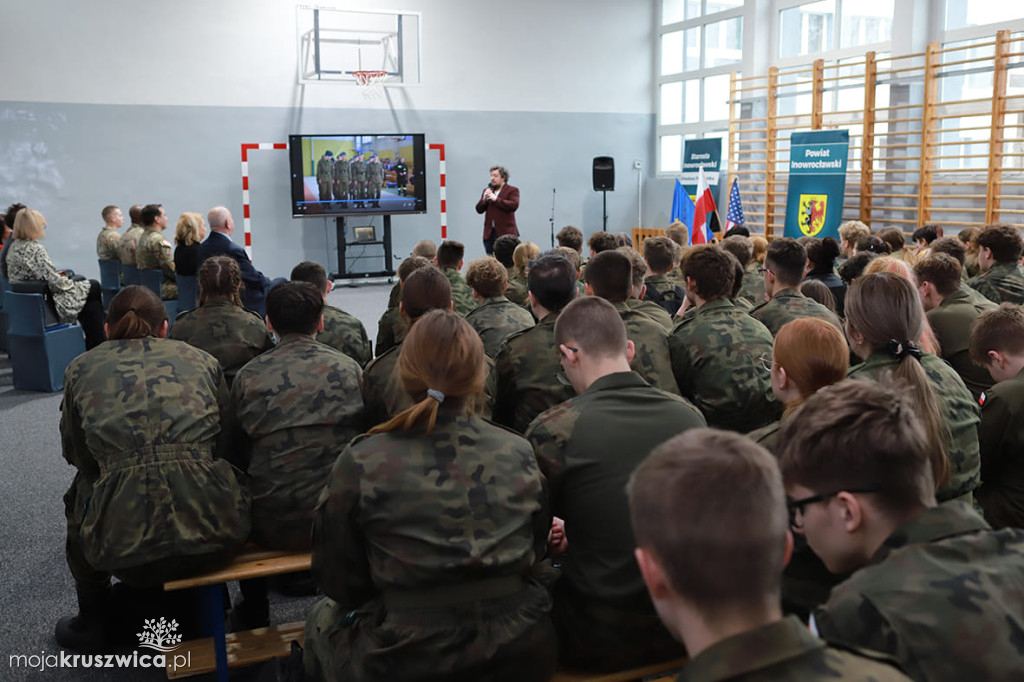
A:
[934,586]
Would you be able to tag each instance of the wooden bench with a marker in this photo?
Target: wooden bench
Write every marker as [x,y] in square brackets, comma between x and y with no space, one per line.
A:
[221,651]
[666,669]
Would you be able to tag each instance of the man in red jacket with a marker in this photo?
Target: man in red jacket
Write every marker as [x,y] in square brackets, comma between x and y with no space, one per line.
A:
[499,203]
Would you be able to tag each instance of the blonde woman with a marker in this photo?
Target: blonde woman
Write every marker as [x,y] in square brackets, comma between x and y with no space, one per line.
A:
[190,230]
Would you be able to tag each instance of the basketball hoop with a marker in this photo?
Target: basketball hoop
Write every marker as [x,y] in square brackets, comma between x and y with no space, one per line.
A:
[371,83]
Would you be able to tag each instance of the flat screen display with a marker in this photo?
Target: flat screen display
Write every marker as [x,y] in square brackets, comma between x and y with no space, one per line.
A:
[339,175]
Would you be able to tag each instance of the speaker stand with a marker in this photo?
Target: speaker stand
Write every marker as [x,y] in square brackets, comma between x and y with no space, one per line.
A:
[604,208]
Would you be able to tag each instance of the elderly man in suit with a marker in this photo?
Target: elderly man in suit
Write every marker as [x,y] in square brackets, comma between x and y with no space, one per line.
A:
[222,225]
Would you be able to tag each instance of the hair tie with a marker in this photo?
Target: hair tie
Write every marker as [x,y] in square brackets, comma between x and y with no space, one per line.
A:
[436,395]
[901,349]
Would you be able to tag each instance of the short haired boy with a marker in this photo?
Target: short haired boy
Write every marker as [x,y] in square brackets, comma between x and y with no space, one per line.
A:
[495,317]
[1001,278]
[933,586]
[449,261]
[342,331]
[997,343]
[719,592]
[783,270]
[392,327]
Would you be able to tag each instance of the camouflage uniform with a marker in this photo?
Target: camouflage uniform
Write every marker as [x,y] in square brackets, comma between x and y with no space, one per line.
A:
[395,296]
[374,180]
[715,355]
[391,329]
[664,286]
[128,243]
[154,253]
[226,331]
[959,410]
[357,185]
[752,288]
[152,500]
[325,177]
[951,321]
[517,291]
[427,548]
[341,180]
[942,595]
[462,295]
[295,405]
[345,333]
[496,318]
[1001,283]
[106,243]
[587,447]
[788,305]
[652,359]
[653,311]
[784,651]
[530,377]
[28,260]
[1001,441]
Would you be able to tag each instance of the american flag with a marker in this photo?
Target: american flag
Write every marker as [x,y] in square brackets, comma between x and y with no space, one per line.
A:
[735,213]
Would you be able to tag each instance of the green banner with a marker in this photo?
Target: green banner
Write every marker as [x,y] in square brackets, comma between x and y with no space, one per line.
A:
[817,180]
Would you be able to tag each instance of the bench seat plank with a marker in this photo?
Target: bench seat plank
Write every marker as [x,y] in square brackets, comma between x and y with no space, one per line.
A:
[244,648]
[251,564]
[622,675]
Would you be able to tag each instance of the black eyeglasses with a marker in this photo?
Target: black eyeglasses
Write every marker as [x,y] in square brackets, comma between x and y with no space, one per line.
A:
[764,269]
[558,349]
[797,506]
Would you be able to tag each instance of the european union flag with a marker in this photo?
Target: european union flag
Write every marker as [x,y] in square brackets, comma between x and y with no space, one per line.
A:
[682,206]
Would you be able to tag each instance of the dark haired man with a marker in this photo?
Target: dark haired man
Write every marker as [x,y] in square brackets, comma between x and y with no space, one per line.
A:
[106,242]
[293,405]
[529,374]
[784,266]
[587,447]
[392,327]
[153,251]
[129,241]
[661,255]
[602,241]
[449,261]
[1001,278]
[752,285]
[719,592]
[716,349]
[923,238]
[932,585]
[341,331]
[498,203]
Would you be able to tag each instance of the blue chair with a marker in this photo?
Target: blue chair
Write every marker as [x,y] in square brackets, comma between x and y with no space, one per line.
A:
[39,353]
[131,274]
[153,280]
[188,289]
[110,280]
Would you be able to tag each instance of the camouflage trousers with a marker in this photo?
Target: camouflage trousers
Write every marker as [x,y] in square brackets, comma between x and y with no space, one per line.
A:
[506,639]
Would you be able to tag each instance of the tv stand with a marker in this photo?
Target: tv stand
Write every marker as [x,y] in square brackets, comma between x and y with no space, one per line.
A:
[385,241]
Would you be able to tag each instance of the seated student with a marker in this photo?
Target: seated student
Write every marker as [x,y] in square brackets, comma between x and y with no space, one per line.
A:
[391,328]
[424,249]
[816,290]
[1002,278]
[872,244]
[495,317]
[821,262]
[518,290]
[851,232]
[341,331]
[897,241]
[933,586]
[294,406]
[951,246]
[853,267]
[969,238]
[130,239]
[752,284]
[571,237]
[587,447]
[601,241]
[106,241]
[610,276]
[997,343]
[574,258]
[661,255]
[718,592]
[680,234]
[429,536]
[528,372]
[927,341]
[219,324]
[883,317]
[449,261]
[950,313]
[715,350]
[154,497]
[784,266]
[636,299]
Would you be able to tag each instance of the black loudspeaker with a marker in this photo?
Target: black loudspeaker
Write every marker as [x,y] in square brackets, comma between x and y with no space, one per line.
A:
[604,173]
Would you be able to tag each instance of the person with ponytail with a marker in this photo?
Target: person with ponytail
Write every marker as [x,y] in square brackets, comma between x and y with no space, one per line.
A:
[821,260]
[220,325]
[428,537]
[884,319]
[153,498]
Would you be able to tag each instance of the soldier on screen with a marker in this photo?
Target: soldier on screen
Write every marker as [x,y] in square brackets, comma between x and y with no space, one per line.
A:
[374,179]
[341,178]
[357,184]
[325,175]
[401,175]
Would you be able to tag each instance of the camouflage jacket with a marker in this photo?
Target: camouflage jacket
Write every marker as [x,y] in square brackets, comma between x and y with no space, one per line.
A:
[145,421]
[784,651]
[496,318]
[1003,282]
[653,311]
[664,286]
[530,377]
[295,406]
[1001,442]
[937,596]
[154,253]
[951,321]
[462,295]
[789,304]
[752,288]
[517,290]
[324,170]
[391,329]
[587,447]
[106,243]
[127,244]
[340,171]
[715,355]
[229,333]
[652,359]
[395,296]
[345,333]
[957,407]
[28,259]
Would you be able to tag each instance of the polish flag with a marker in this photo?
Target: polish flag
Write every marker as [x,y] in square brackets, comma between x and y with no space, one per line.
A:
[705,204]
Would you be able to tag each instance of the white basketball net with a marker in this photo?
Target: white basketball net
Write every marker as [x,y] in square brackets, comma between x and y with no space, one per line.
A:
[371,83]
